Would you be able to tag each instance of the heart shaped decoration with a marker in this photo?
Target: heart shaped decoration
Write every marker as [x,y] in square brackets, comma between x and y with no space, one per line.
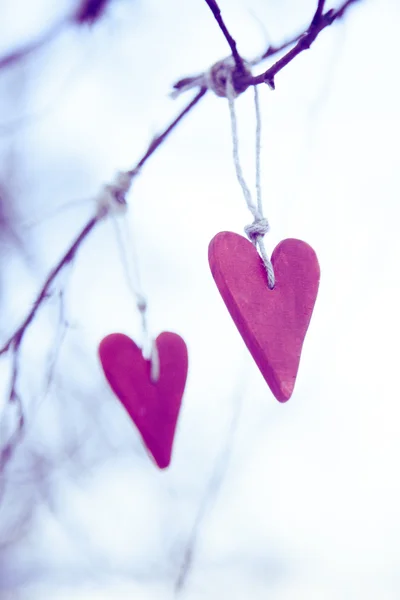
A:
[153,407]
[273,323]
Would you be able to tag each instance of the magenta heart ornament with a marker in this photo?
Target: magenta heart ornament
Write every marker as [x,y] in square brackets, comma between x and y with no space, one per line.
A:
[272,322]
[153,407]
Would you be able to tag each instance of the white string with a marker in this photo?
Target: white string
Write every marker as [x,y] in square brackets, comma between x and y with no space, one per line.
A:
[258,149]
[132,274]
[260,226]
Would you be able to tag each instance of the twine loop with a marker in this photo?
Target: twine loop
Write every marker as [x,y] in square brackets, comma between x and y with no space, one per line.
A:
[112,198]
[260,226]
[141,303]
[224,72]
[112,201]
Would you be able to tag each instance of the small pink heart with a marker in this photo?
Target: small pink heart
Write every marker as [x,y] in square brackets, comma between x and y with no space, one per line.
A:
[153,407]
[273,323]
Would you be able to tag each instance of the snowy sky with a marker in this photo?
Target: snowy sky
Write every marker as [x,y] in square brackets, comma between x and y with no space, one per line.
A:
[300,500]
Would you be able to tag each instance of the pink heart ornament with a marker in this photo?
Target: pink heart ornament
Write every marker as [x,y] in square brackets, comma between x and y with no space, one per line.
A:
[273,323]
[153,407]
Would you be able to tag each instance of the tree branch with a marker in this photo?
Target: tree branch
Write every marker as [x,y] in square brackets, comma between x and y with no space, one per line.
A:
[319,12]
[271,50]
[216,11]
[318,24]
[241,77]
[91,11]
[159,139]
[88,12]
[16,338]
[23,52]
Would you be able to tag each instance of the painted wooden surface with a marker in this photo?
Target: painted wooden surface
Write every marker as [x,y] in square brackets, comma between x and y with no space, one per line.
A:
[153,407]
[273,323]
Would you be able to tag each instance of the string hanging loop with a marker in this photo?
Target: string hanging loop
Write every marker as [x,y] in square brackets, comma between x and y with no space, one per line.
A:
[260,225]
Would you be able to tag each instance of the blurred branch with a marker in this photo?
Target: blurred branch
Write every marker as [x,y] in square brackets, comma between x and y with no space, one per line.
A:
[159,139]
[62,329]
[89,11]
[15,341]
[24,51]
[212,491]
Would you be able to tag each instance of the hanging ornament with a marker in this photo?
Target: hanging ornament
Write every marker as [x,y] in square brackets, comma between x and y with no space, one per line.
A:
[152,405]
[270,301]
[149,380]
[272,322]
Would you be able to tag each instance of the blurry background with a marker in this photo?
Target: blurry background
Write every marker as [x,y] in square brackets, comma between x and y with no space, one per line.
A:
[294,501]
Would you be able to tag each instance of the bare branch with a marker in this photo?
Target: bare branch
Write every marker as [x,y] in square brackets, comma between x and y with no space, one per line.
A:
[159,139]
[88,12]
[16,338]
[339,12]
[7,450]
[318,13]
[212,491]
[91,11]
[14,342]
[232,43]
[304,43]
[24,51]
[62,329]
[271,50]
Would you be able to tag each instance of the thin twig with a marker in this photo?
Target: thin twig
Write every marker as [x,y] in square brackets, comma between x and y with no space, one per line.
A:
[339,12]
[15,342]
[216,11]
[62,329]
[304,43]
[211,493]
[318,13]
[159,139]
[271,50]
[241,78]
[88,12]
[14,399]
[24,51]
[91,11]
[16,337]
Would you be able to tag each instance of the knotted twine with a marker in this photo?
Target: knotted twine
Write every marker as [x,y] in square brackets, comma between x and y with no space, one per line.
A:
[112,201]
[225,81]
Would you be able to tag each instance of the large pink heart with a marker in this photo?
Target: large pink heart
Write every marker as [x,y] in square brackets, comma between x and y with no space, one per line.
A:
[153,407]
[273,323]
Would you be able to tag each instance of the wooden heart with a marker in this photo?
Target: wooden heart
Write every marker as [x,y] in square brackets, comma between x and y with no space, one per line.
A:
[153,407]
[273,323]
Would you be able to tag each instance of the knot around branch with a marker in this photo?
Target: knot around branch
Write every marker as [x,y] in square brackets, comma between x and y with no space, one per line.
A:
[225,71]
[112,198]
